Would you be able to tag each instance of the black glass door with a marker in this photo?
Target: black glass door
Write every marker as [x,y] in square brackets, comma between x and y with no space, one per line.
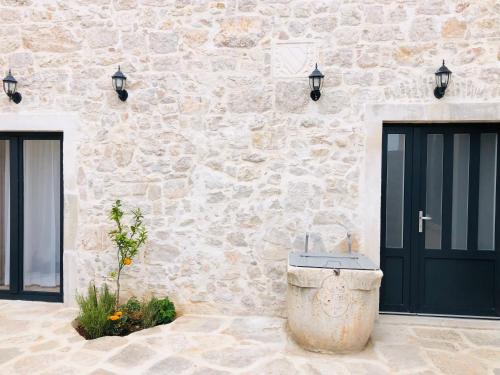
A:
[31,216]
[440,227]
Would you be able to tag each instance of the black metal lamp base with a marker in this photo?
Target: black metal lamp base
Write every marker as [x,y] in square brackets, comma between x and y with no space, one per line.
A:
[439,92]
[16,98]
[122,94]
[315,95]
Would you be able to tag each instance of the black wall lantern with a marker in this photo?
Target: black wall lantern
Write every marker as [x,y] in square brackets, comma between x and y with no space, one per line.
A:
[9,86]
[119,81]
[315,82]
[443,76]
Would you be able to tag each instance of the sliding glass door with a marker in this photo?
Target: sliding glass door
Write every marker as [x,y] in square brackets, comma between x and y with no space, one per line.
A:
[31,216]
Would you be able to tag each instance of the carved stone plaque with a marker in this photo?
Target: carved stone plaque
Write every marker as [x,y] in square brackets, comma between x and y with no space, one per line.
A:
[294,59]
[333,296]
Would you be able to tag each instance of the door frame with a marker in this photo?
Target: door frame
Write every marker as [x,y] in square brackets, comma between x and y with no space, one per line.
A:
[371,177]
[69,124]
[16,292]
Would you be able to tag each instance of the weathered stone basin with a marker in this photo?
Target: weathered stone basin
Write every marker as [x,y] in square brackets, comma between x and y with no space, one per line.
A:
[332,309]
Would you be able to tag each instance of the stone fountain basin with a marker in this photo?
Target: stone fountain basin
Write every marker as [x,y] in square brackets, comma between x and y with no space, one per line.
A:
[332,310]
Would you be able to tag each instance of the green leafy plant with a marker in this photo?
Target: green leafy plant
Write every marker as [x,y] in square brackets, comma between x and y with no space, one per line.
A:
[132,305]
[95,308]
[133,313]
[157,311]
[127,239]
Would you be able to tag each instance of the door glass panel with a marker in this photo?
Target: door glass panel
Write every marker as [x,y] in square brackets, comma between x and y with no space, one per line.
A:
[434,191]
[41,215]
[460,193]
[4,215]
[487,192]
[395,190]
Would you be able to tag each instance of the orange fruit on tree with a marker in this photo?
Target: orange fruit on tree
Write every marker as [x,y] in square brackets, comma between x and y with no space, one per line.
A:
[127,261]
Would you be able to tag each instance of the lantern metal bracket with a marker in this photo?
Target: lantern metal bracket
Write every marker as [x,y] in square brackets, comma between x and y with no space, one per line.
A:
[122,94]
[439,92]
[16,98]
[315,95]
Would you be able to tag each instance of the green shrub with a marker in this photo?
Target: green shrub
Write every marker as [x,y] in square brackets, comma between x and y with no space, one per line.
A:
[95,308]
[132,314]
[157,311]
[132,305]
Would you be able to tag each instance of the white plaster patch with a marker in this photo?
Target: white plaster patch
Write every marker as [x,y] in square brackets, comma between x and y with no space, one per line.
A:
[294,60]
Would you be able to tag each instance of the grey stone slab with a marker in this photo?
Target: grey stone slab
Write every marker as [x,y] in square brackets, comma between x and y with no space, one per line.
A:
[280,366]
[459,364]
[402,357]
[101,371]
[170,365]
[440,345]
[438,334]
[132,355]
[236,357]
[6,354]
[196,324]
[30,364]
[105,343]
[483,338]
[389,334]
[257,328]
[209,371]
[363,368]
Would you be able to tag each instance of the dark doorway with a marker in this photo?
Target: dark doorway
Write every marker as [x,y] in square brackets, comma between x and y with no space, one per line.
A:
[31,216]
[440,227]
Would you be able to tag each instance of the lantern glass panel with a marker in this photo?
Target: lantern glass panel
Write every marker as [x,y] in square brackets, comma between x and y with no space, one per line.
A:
[445,79]
[12,87]
[119,83]
[9,87]
[316,83]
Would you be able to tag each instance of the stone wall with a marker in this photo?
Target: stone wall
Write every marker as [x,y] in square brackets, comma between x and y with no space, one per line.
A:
[219,142]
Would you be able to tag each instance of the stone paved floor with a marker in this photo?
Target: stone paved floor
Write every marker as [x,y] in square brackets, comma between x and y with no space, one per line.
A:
[37,338]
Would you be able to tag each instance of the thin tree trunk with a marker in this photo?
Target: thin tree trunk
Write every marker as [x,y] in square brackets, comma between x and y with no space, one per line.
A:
[118,281]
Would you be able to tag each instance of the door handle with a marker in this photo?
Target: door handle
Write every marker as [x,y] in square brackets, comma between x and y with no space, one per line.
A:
[421,219]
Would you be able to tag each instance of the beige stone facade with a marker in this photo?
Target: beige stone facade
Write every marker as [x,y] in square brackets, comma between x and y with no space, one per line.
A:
[218,141]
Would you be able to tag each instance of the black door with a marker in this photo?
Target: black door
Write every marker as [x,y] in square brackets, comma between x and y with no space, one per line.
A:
[31,214]
[440,227]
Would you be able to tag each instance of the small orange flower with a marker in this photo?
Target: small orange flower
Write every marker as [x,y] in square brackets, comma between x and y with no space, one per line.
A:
[119,314]
[113,317]
[127,261]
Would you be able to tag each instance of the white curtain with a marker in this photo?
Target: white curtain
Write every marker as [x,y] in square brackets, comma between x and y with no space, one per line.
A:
[41,214]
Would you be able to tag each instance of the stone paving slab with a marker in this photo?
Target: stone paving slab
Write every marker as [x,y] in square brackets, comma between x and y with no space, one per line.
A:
[37,338]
